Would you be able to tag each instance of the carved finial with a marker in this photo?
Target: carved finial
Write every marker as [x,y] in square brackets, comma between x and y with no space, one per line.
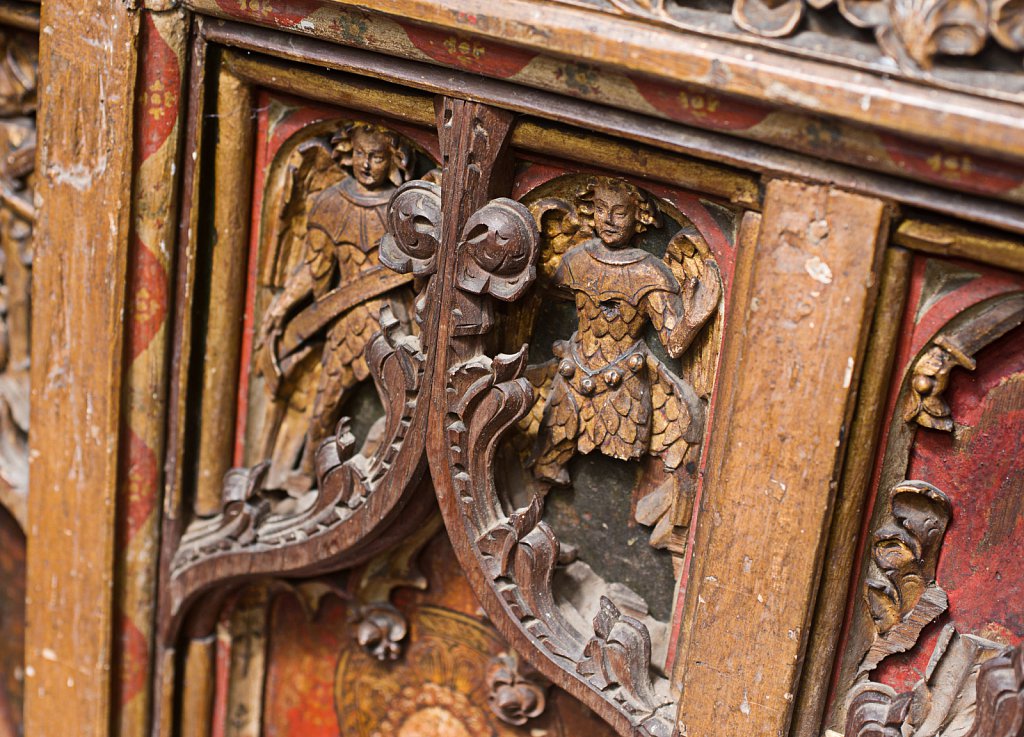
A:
[515,696]
[380,630]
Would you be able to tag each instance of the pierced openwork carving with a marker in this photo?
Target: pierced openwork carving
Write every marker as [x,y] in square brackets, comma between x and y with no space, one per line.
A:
[973,686]
[901,592]
[496,405]
[911,33]
[954,346]
[328,309]
[310,502]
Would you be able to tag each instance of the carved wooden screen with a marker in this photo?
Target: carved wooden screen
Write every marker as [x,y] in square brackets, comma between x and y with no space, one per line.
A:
[525,368]
[387,329]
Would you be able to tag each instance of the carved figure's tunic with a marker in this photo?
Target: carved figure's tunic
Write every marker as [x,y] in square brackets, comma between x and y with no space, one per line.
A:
[610,392]
[344,228]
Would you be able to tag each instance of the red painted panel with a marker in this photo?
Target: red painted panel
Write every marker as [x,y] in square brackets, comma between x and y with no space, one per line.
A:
[981,468]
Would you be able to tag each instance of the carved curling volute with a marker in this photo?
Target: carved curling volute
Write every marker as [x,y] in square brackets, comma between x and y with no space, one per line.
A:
[901,591]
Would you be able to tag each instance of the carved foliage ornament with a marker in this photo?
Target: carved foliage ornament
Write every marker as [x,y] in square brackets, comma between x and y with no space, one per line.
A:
[901,592]
[339,316]
[972,686]
[421,305]
[17,217]
[955,346]
[912,32]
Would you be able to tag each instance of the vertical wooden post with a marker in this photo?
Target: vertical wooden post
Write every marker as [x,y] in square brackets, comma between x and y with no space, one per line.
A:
[88,76]
[775,456]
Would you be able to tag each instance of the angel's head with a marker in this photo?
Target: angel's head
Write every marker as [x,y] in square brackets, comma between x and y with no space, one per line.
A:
[375,155]
[615,210]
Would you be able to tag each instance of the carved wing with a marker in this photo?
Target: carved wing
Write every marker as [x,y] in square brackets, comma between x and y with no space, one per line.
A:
[309,170]
[560,229]
[690,261]
[686,256]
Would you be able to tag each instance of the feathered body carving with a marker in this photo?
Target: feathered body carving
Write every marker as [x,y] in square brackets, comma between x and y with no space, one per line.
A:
[608,391]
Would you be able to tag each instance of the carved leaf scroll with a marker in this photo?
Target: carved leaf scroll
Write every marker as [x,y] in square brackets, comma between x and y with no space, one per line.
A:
[956,346]
[901,592]
[481,397]
[355,499]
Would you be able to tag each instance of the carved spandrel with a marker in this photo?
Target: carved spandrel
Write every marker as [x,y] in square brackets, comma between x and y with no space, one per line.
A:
[313,335]
[609,391]
[489,399]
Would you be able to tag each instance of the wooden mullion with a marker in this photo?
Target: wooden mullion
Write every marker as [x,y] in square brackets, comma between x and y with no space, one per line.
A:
[85,158]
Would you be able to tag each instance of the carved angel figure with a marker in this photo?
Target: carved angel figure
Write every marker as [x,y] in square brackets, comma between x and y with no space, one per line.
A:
[610,392]
[331,300]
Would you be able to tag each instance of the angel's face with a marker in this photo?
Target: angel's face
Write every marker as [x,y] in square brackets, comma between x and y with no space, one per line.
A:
[615,216]
[371,158]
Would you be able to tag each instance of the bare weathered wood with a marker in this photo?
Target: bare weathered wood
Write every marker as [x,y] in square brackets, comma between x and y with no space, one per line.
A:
[845,527]
[955,241]
[538,137]
[89,64]
[774,459]
[199,673]
[344,90]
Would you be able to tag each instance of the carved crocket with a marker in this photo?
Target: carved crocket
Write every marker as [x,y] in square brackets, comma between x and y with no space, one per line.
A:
[610,392]
[332,299]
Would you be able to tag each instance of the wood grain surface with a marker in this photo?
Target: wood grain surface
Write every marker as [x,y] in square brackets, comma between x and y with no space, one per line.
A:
[775,457]
[88,61]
